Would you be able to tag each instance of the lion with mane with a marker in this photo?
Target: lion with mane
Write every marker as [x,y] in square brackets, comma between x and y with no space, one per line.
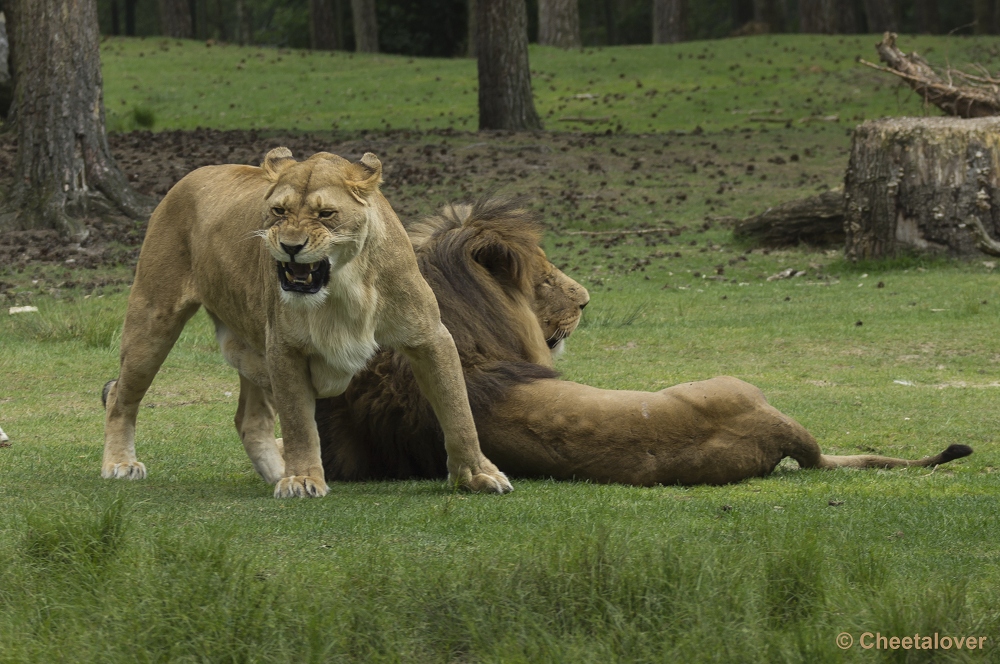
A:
[510,310]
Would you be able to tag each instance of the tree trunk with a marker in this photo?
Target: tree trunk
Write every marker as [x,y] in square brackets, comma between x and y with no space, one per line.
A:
[669,21]
[921,184]
[365,26]
[6,82]
[983,12]
[322,26]
[115,19]
[470,47]
[611,22]
[827,17]
[63,159]
[244,29]
[771,13]
[928,18]
[505,100]
[882,15]
[559,23]
[817,221]
[175,19]
[130,17]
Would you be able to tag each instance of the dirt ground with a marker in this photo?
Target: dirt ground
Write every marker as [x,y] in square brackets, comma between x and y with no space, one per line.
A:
[576,181]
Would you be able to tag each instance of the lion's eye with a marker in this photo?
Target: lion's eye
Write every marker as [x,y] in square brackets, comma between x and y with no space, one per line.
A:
[278,211]
[326,214]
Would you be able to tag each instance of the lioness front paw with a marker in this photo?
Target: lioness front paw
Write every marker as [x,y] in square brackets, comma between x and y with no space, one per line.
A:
[302,486]
[129,470]
[487,478]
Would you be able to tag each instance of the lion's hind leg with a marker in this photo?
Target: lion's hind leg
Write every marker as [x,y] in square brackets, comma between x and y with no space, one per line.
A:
[150,331]
[254,421]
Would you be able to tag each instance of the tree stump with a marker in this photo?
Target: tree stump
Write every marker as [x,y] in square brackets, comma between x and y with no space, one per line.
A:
[920,185]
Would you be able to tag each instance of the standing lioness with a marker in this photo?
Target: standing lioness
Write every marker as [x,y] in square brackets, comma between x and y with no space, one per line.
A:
[306,271]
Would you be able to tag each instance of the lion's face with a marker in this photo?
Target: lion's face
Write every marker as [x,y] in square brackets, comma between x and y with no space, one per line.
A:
[316,219]
[558,303]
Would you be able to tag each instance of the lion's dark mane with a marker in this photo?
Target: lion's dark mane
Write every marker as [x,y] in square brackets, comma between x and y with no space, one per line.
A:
[382,427]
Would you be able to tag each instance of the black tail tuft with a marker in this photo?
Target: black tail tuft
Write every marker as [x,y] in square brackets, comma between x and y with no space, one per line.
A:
[107,388]
[955,452]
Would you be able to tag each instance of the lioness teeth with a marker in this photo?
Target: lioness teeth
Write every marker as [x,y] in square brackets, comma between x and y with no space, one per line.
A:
[309,279]
[289,275]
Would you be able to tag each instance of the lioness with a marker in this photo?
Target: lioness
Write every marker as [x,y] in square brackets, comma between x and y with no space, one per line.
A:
[306,271]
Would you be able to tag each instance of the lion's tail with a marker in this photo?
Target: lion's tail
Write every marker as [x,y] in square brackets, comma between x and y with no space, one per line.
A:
[829,461]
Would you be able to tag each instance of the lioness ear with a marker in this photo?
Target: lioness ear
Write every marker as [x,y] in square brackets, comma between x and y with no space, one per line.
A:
[501,260]
[365,177]
[276,161]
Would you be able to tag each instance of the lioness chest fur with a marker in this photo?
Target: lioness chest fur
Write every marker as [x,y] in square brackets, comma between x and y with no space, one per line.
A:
[306,271]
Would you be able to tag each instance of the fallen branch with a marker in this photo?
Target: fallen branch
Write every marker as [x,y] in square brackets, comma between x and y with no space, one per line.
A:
[816,220]
[624,231]
[586,120]
[979,99]
[985,243]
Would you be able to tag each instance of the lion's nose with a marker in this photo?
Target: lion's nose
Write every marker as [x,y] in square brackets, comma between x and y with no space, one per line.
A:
[291,250]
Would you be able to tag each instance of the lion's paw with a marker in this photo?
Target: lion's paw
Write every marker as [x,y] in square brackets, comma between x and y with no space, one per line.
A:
[302,486]
[130,470]
[485,479]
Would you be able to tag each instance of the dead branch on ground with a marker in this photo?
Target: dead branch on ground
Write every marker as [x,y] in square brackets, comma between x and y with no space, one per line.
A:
[977,97]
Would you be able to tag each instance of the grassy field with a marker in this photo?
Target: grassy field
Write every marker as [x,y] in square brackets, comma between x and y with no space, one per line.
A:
[199,564]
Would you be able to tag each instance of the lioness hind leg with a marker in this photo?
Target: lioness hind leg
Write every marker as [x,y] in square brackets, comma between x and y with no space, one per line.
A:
[147,337]
[254,421]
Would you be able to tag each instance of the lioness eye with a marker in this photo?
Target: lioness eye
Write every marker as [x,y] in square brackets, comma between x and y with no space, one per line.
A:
[325,214]
[278,211]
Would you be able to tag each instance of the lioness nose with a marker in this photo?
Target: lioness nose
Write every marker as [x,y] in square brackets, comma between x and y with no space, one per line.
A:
[291,250]
[582,305]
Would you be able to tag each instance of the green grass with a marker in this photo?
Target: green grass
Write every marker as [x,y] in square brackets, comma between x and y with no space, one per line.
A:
[199,564]
[713,85]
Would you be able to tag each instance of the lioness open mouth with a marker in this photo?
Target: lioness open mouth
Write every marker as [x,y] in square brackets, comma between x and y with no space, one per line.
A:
[303,277]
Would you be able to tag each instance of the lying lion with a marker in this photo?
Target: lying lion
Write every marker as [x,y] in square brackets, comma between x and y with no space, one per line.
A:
[306,272]
[508,309]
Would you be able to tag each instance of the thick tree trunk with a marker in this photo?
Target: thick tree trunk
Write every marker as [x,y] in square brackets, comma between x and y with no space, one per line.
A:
[559,23]
[882,15]
[669,21]
[175,19]
[115,19]
[63,161]
[365,26]
[505,100]
[322,26]
[920,184]
[817,221]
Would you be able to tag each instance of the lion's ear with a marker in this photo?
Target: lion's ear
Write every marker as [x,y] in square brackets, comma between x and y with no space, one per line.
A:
[365,177]
[275,162]
[500,259]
